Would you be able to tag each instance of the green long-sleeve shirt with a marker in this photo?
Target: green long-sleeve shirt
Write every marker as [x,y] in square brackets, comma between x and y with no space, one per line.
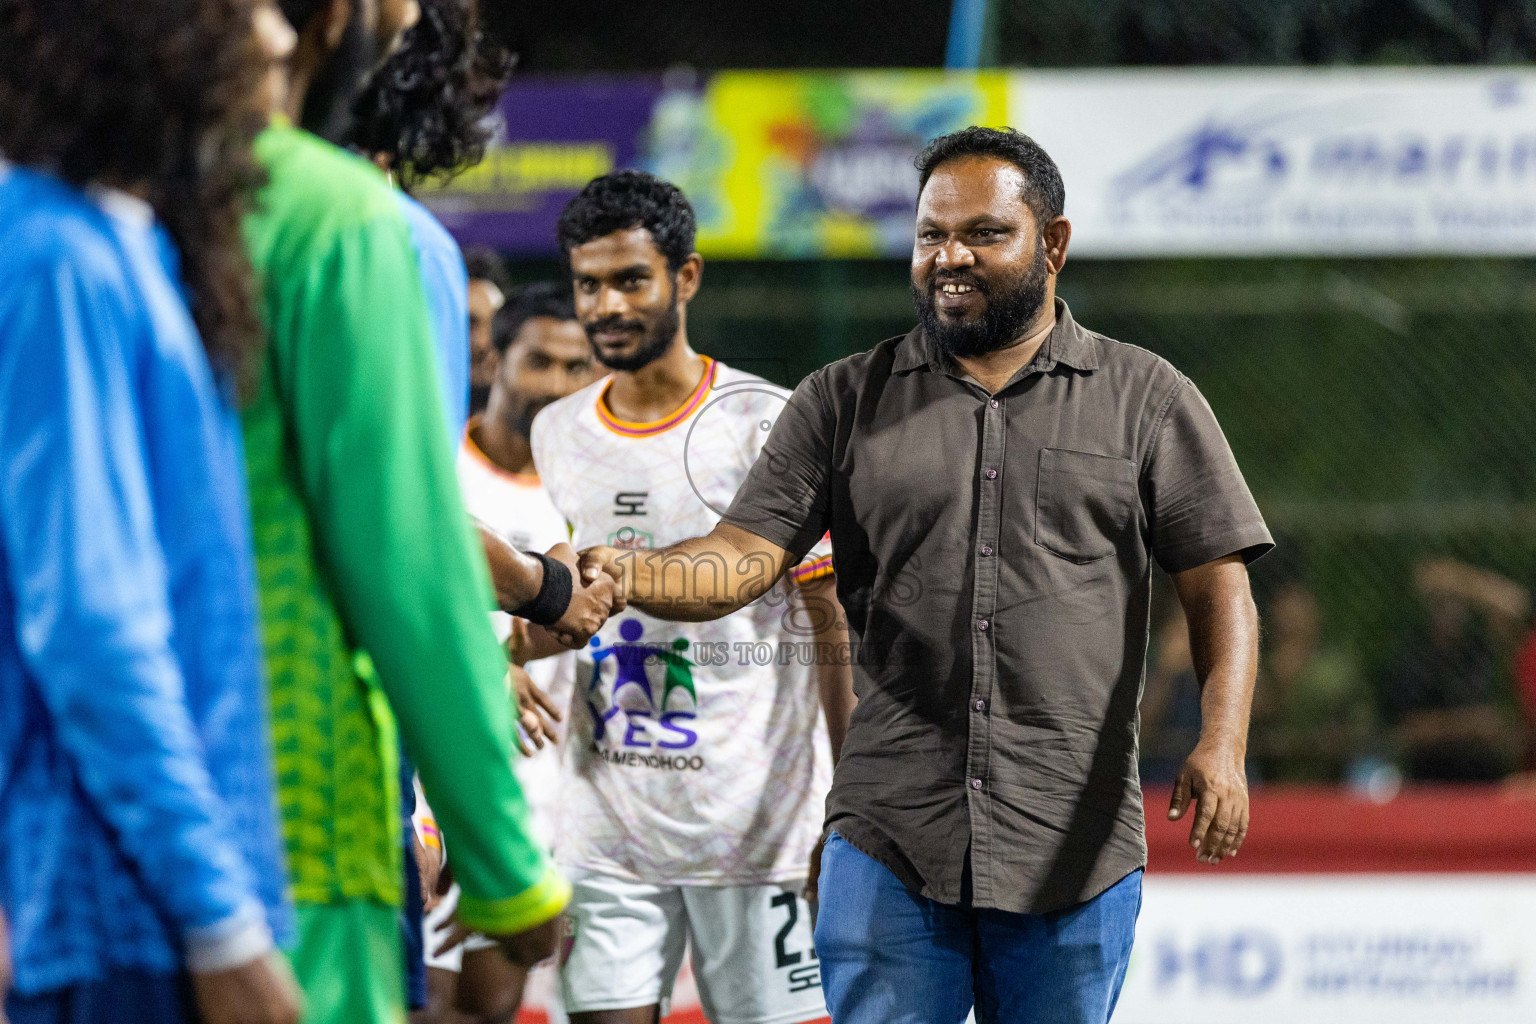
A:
[363,544]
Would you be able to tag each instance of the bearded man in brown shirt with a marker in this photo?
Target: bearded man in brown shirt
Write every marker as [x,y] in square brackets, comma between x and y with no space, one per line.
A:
[997,484]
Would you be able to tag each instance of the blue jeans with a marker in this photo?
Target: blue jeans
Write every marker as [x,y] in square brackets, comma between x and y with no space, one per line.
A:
[124,996]
[890,956]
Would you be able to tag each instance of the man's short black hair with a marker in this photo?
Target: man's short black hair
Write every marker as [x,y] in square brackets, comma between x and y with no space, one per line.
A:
[625,200]
[485,264]
[1044,192]
[526,302]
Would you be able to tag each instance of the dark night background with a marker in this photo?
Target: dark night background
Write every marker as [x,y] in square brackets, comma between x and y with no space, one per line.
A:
[613,36]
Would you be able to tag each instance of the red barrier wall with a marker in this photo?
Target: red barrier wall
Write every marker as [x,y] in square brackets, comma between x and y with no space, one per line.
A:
[1450,828]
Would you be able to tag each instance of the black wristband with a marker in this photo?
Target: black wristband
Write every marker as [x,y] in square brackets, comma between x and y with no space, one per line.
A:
[554,596]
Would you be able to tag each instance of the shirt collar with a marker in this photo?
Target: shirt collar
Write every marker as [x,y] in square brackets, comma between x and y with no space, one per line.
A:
[1068,344]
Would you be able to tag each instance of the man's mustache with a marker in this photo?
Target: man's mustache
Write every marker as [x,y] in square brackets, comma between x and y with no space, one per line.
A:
[613,323]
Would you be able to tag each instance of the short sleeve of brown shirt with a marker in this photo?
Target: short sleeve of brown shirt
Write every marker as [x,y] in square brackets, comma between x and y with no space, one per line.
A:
[785,498]
[1198,505]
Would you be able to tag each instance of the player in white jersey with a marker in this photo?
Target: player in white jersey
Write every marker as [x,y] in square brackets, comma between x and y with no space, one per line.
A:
[541,354]
[698,761]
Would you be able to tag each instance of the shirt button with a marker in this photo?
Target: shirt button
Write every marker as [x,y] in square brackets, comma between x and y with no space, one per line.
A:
[995,403]
[991,474]
[981,705]
[975,783]
[981,624]
[986,549]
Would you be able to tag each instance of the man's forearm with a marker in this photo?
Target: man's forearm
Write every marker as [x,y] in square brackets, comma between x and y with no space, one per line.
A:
[515,576]
[1223,637]
[1224,645]
[700,579]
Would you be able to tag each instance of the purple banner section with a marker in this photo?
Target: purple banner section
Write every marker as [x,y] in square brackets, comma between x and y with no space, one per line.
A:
[552,137]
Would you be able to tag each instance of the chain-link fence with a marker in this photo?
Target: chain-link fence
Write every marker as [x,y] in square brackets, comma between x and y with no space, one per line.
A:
[1384,414]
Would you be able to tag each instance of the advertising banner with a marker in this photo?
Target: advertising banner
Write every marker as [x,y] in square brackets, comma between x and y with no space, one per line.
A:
[1303,162]
[1334,949]
[820,165]
[776,164]
[551,137]
[1157,163]
[1304,949]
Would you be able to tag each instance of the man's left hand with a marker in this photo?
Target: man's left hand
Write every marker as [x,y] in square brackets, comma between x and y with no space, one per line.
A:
[537,713]
[593,600]
[1213,780]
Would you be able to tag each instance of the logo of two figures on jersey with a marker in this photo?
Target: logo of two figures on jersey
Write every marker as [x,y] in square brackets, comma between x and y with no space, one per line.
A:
[651,684]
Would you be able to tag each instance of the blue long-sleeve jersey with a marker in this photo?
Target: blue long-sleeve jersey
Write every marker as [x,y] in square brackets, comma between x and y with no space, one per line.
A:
[446,284]
[138,819]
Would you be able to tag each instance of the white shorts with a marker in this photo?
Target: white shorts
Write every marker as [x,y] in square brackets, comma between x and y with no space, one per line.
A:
[542,990]
[751,946]
[439,925]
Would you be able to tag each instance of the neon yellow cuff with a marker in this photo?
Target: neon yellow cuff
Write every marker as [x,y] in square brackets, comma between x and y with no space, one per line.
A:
[528,909]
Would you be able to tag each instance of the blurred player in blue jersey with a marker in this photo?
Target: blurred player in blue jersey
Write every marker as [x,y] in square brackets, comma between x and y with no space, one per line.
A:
[140,864]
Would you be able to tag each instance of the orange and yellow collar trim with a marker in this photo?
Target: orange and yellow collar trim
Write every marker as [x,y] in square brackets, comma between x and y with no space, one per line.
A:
[690,405]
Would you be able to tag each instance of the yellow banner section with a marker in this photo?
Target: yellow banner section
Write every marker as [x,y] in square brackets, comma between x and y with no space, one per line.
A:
[808,164]
[517,175]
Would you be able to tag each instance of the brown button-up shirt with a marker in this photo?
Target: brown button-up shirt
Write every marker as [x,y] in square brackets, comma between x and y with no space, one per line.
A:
[993,553]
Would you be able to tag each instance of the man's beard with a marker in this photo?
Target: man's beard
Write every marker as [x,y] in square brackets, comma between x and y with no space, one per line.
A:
[1010,308]
[328,103]
[655,344]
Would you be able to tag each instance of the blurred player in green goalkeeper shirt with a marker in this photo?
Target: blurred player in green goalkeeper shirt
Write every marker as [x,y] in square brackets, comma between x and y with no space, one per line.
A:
[373,591]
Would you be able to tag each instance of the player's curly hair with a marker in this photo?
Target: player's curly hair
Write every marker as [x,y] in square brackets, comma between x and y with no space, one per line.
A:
[630,199]
[425,107]
[160,93]
[1044,192]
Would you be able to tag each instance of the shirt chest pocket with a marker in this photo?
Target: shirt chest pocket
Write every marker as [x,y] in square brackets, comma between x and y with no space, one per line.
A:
[1085,506]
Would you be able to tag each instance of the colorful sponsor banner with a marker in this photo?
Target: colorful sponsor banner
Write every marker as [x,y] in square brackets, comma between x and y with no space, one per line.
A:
[551,136]
[1334,949]
[1207,162]
[822,164]
[1265,163]
[776,164]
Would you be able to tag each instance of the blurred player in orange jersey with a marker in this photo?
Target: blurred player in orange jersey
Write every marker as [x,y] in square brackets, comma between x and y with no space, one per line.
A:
[489,287]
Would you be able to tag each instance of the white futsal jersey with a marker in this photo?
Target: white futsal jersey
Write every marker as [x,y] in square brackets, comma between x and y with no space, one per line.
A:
[517,509]
[697,752]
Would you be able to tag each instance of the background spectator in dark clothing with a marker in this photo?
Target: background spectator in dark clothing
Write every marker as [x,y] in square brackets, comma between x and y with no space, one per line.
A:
[1447,696]
[1313,711]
